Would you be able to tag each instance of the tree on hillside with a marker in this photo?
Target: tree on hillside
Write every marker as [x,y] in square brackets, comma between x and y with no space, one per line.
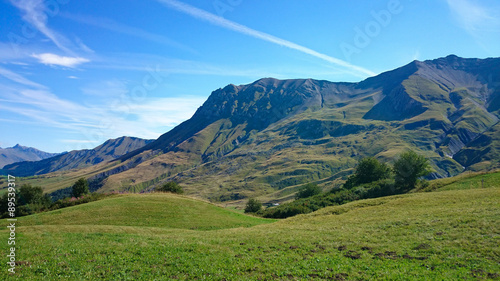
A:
[80,187]
[409,168]
[29,194]
[308,190]
[29,199]
[368,170]
[172,187]
[253,206]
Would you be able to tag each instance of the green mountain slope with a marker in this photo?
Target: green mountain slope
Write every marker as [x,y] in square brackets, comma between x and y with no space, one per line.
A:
[267,138]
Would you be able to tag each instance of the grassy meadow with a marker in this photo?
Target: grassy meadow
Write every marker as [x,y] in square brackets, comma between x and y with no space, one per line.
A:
[453,234]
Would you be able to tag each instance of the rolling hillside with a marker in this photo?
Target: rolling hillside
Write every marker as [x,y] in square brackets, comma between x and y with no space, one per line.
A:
[446,235]
[160,210]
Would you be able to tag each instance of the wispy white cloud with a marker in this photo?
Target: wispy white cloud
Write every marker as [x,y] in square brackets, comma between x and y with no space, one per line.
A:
[473,17]
[34,13]
[106,89]
[165,66]
[11,53]
[94,123]
[19,63]
[84,47]
[117,27]
[19,78]
[227,24]
[53,59]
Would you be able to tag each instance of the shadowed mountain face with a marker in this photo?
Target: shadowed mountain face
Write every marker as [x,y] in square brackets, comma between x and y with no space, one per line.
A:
[20,153]
[270,136]
[109,150]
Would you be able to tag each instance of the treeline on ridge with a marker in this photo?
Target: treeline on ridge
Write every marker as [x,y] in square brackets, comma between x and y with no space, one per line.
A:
[30,199]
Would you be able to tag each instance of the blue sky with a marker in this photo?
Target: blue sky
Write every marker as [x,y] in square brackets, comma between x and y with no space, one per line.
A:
[76,73]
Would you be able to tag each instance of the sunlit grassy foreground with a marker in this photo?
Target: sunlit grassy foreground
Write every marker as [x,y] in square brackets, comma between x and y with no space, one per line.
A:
[447,235]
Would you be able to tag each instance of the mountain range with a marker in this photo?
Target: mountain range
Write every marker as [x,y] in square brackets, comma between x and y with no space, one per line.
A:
[77,159]
[269,137]
[19,153]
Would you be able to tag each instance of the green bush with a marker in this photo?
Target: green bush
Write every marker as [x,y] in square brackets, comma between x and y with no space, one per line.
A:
[380,188]
[73,201]
[253,206]
[368,170]
[308,190]
[285,211]
[172,187]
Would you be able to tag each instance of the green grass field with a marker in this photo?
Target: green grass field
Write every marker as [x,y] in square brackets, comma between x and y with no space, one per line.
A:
[452,234]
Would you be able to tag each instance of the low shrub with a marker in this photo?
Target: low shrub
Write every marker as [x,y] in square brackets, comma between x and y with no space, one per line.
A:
[172,187]
[73,201]
[308,190]
[253,206]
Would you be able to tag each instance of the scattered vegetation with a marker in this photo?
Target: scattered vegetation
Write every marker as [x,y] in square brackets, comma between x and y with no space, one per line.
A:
[171,187]
[371,179]
[31,199]
[28,200]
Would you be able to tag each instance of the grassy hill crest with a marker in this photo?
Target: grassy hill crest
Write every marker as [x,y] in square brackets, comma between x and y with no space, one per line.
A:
[162,210]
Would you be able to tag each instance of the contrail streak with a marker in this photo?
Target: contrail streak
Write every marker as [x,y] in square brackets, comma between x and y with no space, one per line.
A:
[222,22]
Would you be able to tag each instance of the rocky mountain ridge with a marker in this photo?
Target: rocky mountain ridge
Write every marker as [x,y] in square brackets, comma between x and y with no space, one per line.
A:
[269,137]
[109,150]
